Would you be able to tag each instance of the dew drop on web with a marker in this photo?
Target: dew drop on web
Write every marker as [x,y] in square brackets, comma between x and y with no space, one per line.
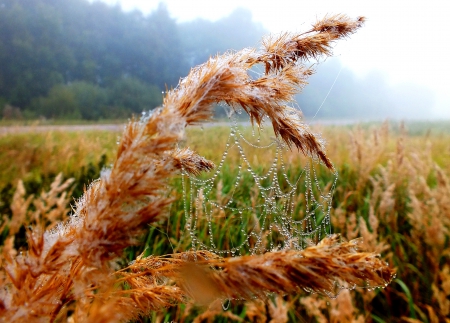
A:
[270,206]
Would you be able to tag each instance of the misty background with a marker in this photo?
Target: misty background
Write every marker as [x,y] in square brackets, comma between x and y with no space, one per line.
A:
[76,59]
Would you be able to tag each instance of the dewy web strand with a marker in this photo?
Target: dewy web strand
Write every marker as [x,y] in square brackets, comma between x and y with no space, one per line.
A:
[284,213]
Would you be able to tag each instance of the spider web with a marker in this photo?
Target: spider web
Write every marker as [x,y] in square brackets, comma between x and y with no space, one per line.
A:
[252,209]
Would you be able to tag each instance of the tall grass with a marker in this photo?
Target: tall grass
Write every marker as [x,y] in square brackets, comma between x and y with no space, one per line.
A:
[394,195]
[21,155]
[393,191]
[74,270]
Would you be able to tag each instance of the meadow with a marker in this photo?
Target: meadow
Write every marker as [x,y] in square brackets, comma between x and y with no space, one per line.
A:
[159,232]
[393,191]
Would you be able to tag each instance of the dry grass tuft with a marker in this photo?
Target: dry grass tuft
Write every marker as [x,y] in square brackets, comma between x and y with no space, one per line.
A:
[326,268]
[191,162]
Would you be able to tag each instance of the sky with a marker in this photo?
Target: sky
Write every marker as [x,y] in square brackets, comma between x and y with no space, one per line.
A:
[407,41]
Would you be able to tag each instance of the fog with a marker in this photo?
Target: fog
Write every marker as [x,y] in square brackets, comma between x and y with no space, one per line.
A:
[335,91]
[403,42]
[109,59]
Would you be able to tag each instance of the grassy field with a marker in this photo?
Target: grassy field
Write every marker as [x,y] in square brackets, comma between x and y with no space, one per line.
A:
[393,190]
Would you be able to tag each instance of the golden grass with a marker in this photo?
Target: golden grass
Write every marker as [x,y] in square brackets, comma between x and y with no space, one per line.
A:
[21,155]
[379,223]
[71,271]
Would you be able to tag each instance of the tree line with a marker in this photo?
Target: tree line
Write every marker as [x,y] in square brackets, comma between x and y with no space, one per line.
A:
[74,59]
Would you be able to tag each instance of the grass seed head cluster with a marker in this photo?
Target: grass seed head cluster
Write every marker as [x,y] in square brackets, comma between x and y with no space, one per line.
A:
[72,271]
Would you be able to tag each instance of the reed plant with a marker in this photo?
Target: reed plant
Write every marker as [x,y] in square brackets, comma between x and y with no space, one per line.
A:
[73,270]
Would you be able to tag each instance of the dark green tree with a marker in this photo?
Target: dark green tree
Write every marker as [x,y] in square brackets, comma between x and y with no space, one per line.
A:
[33,56]
[134,96]
[77,100]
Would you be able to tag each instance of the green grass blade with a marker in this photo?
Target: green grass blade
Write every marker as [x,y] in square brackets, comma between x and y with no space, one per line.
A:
[408,295]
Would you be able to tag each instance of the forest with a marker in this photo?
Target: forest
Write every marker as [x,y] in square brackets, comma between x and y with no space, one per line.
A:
[76,59]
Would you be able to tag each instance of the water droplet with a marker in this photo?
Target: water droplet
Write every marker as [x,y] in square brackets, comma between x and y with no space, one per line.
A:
[226,304]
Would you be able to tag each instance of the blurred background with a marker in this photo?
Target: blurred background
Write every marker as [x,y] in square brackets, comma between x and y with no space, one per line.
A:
[103,60]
